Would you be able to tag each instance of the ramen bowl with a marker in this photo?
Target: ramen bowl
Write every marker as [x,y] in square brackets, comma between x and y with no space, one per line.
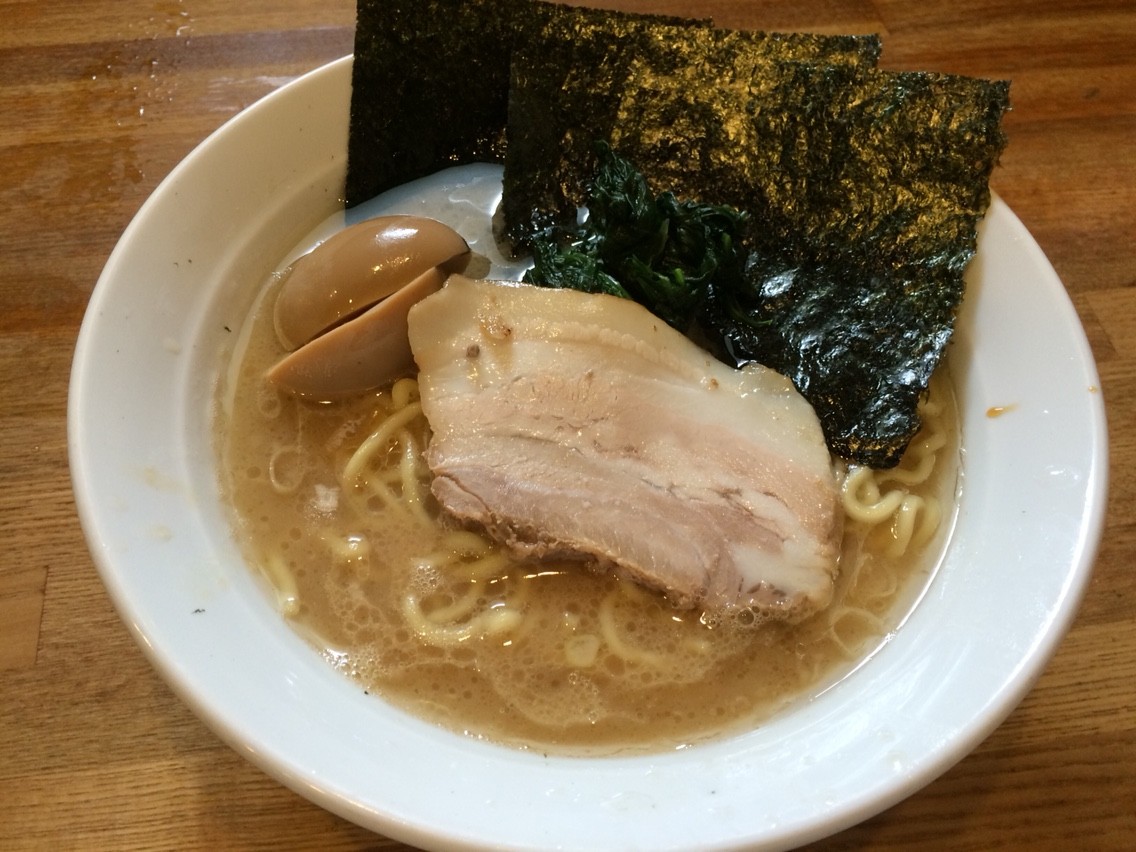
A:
[152,347]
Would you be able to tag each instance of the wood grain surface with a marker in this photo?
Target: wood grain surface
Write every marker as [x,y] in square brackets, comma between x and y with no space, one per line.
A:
[100,99]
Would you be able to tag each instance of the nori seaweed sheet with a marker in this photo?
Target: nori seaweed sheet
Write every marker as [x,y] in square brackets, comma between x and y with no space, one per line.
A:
[688,89]
[867,195]
[430,82]
[428,88]
[864,187]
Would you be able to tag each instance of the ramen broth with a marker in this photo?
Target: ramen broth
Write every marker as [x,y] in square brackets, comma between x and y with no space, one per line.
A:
[556,657]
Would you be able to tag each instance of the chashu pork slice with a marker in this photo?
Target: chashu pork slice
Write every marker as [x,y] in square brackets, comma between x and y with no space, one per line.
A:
[568,424]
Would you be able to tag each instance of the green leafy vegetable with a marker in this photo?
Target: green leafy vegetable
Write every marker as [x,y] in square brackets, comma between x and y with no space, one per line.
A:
[662,252]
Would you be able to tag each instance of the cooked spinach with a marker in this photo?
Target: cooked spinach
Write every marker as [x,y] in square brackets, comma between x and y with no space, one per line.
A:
[663,252]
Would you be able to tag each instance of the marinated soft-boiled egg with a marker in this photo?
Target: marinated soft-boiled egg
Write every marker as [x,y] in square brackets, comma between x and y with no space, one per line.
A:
[342,307]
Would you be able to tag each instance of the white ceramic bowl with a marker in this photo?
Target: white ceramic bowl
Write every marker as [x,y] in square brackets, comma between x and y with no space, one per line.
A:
[173,293]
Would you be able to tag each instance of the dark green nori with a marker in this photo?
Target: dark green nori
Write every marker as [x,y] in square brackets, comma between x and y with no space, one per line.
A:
[663,97]
[860,346]
[429,88]
[430,82]
[867,195]
[865,188]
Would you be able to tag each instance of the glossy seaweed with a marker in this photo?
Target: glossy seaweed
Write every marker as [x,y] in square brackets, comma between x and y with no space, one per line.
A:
[863,188]
[863,222]
[430,81]
[667,98]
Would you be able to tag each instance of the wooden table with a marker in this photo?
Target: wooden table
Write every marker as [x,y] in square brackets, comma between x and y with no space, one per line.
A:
[100,99]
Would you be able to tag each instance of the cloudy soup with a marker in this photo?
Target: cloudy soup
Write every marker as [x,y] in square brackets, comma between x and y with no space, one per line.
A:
[331,505]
